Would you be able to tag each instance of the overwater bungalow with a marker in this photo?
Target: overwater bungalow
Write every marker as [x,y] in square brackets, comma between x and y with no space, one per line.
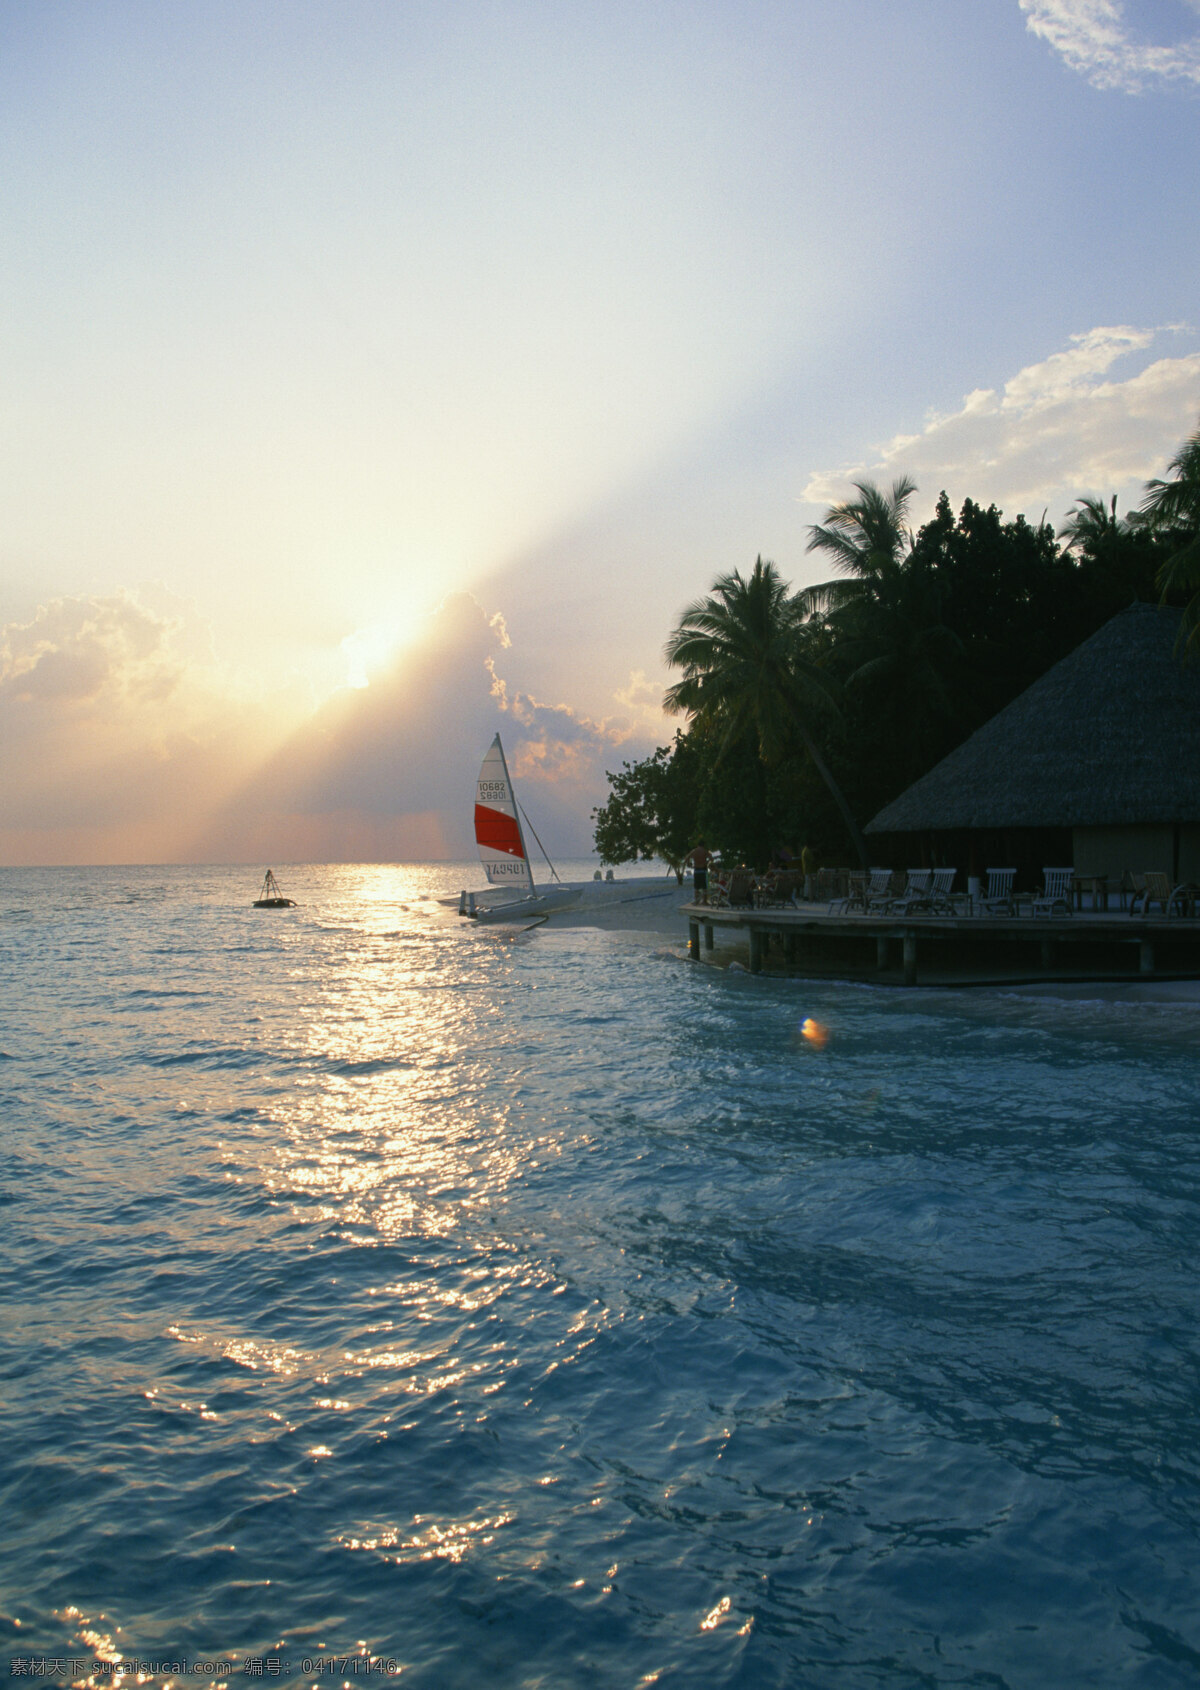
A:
[1096,765]
[1094,769]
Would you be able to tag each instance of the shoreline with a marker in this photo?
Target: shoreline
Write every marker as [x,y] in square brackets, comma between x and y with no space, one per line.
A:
[646,907]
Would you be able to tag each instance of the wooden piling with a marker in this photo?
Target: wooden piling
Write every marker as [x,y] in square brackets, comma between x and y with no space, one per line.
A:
[758,949]
[957,945]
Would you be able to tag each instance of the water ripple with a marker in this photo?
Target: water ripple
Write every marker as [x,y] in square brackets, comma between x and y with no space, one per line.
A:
[550,1313]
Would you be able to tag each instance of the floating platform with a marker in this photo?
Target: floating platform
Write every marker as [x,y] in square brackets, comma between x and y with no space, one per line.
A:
[271,897]
[907,950]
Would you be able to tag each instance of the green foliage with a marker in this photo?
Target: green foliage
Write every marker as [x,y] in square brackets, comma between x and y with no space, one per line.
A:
[1171,509]
[749,674]
[651,810]
[1009,595]
[1119,557]
[809,710]
[866,538]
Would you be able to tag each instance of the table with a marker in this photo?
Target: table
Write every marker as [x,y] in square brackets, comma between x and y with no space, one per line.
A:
[1096,885]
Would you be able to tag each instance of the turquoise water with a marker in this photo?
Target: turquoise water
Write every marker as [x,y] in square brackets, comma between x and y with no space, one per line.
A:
[552,1312]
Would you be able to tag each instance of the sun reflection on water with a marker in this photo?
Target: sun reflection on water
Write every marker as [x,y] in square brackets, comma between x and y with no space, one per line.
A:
[446,1540]
[389,1133]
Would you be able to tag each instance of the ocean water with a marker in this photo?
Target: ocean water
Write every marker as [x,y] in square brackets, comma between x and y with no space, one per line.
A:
[388,1301]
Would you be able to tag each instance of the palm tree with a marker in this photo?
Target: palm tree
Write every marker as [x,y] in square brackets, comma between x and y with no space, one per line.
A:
[741,650]
[1172,508]
[867,538]
[885,614]
[1093,527]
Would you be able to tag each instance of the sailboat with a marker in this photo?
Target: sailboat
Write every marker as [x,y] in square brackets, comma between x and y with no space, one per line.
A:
[501,841]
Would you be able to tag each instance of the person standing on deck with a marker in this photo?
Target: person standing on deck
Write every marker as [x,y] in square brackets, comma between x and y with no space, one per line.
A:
[700,859]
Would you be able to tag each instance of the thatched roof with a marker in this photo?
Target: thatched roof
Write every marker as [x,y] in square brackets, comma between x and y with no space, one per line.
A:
[1109,736]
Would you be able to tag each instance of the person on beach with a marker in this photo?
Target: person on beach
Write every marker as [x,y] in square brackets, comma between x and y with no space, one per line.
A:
[700,858]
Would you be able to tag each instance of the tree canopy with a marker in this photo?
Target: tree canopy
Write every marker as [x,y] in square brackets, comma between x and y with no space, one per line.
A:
[748,670]
[1171,509]
[808,711]
[651,809]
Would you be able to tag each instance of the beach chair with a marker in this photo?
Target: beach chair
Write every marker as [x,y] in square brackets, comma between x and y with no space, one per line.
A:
[740,891]
[941,900]
[789,885]
[998,898]
[833,884]
[915,894]
[718,886]
[879,892]
[1057,894]
[853,898]
[1158,890]
[777,887]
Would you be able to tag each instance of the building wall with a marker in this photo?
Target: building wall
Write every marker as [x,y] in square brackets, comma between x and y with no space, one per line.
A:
[1115,851]
[1173,850]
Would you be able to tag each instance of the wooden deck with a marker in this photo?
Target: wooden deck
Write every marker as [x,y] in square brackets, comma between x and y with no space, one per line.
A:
[912,949]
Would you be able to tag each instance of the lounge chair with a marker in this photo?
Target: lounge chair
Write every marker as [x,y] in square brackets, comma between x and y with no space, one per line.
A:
[777,887]
[1158,890]
[941,901]
[854,898]
[832,884]
[998,899]
[879,889]
[915,894]
[741,887]
[1057,894]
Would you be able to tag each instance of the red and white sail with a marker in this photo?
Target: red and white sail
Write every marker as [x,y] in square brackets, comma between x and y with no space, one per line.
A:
[498,831]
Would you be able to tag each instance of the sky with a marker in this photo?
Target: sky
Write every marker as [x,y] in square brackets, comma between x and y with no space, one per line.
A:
[379,375]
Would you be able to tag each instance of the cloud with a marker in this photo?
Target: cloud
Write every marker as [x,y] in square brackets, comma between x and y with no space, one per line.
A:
[119,744]
[642,699]
[1059,429]
[112,736]
[1093,38]
[387,771]
[81,654]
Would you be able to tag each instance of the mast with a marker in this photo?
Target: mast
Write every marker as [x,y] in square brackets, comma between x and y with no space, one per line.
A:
[498,831]
[517,815]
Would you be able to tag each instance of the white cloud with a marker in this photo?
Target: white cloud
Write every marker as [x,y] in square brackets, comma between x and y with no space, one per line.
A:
[118,744]
[114,737]
[1094,39]
[1060,428]
[387,770]
[83,654]
[642,699]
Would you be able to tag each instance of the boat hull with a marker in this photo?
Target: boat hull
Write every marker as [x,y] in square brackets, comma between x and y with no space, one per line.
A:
[518,909]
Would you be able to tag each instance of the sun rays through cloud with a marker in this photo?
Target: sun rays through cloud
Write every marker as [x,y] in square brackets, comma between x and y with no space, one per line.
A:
[398,375]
